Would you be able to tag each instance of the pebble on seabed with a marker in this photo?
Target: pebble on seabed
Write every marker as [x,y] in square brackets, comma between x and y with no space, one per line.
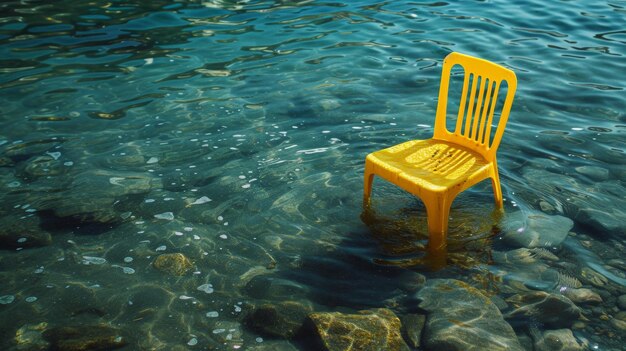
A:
[165,215]
[6,299]
[201,201]
[175,263]
[87,260]
[207,288]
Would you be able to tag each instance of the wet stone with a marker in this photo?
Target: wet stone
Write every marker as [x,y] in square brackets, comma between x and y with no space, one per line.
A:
[617,263]
[255,271]
[524,256]
[604,214]
[24,233]
[558,340]
[268,286]
[83,338]
[113,183]
[40,166]
[228,332]
[93,194]
[78,299]
[526,341]
[460,317]
[78,208]
[27,149]
[377,329]
[174,263]
[6,299]
[592,277]
[593,172]
[283,319]
[619,324]
[413,324]
[582,296]
[546,206]
[271,345]
[535,229]
[329,104]
[29,337]
[607,220]
[128,158]
[5,162]
[621,302]
[145,303]
[552,310]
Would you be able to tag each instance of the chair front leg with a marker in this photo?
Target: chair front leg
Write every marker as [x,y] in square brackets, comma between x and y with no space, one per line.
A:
[495,184]
[437,212]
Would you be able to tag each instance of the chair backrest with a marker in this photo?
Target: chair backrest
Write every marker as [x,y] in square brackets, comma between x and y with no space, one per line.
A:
[477,104]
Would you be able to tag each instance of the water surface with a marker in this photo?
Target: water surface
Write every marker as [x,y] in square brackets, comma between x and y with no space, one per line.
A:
[235,132]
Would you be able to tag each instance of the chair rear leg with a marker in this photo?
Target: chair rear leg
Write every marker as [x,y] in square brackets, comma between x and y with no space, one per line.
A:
[368,179]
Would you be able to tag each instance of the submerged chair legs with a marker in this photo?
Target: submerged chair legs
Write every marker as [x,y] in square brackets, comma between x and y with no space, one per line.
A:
[437,209]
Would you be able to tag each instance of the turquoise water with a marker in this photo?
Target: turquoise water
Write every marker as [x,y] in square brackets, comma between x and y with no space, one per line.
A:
[235,132]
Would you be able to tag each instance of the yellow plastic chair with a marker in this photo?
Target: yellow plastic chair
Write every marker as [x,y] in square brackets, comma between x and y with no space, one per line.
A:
[438,169]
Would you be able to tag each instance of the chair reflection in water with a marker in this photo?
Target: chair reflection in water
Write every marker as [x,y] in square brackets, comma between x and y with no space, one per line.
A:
[436,170]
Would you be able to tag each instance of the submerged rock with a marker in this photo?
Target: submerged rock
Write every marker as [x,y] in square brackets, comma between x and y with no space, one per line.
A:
[40,166]
[460,317]
[92,195]
[582,295]
[5,162]
[558,340]
[83,338]
[30,148]
[17,232]
[228,333]
[272,345]
[266,286]
[29,337]
[552,310]
[606,220]
[593,277]
[535,229]
[601,208]
[619,322]
[413,325]
[373,330]
[621,302]
[329,104]
[283,319]
[593,172]
[174,263]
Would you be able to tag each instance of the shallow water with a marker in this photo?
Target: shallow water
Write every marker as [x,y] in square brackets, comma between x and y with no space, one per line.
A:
[235,132]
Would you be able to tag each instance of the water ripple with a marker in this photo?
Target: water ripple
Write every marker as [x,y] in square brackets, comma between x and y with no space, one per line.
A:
[245,123]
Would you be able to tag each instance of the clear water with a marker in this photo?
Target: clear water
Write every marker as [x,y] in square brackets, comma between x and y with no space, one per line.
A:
[119,120]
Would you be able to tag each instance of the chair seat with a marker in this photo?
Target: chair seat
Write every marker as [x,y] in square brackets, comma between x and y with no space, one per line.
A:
[432,165]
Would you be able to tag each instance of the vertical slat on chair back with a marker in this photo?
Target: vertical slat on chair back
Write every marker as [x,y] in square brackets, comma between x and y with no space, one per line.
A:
[482,83]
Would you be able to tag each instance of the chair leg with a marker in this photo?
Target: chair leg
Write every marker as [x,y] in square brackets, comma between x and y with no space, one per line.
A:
[368,179]
[495,184]
[437,212]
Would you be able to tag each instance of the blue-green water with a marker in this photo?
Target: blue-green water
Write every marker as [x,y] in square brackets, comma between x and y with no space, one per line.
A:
[235,132]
